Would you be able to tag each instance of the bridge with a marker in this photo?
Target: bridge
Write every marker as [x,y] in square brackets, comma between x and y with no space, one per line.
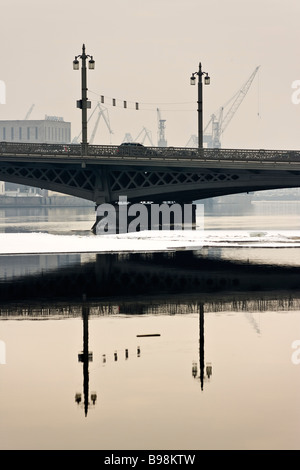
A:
[154,174]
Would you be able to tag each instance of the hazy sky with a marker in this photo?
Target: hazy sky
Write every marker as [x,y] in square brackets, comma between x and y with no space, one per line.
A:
[145,51]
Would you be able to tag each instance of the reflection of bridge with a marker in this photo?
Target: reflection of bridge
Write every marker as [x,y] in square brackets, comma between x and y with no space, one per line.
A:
[250,302]
[158,283]
[155,174]
[169,284]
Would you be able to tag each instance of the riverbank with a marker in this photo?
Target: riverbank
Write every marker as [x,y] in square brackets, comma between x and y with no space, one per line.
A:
[42,201]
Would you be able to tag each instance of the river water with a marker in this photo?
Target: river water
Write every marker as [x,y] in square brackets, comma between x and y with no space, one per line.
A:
[180,349]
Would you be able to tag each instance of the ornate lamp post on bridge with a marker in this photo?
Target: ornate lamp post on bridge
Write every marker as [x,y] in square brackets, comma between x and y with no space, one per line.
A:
[84,104]
[200,99]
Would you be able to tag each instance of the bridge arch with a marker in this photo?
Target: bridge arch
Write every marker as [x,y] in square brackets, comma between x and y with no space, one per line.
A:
[158,174]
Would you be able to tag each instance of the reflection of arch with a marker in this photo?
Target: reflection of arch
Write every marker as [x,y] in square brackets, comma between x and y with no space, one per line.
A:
[2,352]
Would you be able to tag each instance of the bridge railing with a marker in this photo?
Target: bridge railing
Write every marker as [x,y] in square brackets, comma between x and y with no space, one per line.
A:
[39,148]
[151,153]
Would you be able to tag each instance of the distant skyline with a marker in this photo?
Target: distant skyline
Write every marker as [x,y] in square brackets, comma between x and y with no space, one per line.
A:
[145,52]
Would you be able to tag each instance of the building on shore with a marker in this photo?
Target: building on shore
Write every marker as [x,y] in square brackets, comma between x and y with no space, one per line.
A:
[51,130]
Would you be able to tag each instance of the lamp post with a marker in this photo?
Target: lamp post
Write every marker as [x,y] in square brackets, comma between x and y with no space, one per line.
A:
[200,104]
[84,104]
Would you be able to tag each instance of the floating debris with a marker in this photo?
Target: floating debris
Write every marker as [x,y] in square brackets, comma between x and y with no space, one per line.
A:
[151,334]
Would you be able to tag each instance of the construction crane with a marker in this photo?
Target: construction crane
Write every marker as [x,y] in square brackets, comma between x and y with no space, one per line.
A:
[101,113]
[29,112]
[161,141]
[147,134]
[219,121]
[104,114]
[193,141]
[128,137]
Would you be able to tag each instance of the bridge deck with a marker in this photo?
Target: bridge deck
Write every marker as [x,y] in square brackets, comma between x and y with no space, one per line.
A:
[156,156]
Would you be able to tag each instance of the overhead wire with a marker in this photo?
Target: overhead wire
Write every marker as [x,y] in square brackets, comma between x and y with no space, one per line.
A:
[138,105]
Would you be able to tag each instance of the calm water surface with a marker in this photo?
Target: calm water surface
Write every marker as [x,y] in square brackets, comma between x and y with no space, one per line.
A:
[221,372]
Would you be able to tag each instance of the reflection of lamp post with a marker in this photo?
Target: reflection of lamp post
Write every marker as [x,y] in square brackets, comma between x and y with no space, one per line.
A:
[201,353]
[84,104]
[201,343]
[85,357]
[200,101]
[78,398]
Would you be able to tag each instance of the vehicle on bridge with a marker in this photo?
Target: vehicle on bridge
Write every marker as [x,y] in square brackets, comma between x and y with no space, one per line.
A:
[134,148]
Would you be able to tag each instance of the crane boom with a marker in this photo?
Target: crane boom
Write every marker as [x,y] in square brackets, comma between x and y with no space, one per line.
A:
[95,128]
[220,122]
[100,113]
[239,97]
[106,120]
[146,133]
[29,112]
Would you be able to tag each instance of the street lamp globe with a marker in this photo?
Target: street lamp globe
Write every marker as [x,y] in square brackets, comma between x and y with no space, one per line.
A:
[193,80]
[76,64]
[206,80]
[91,64]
